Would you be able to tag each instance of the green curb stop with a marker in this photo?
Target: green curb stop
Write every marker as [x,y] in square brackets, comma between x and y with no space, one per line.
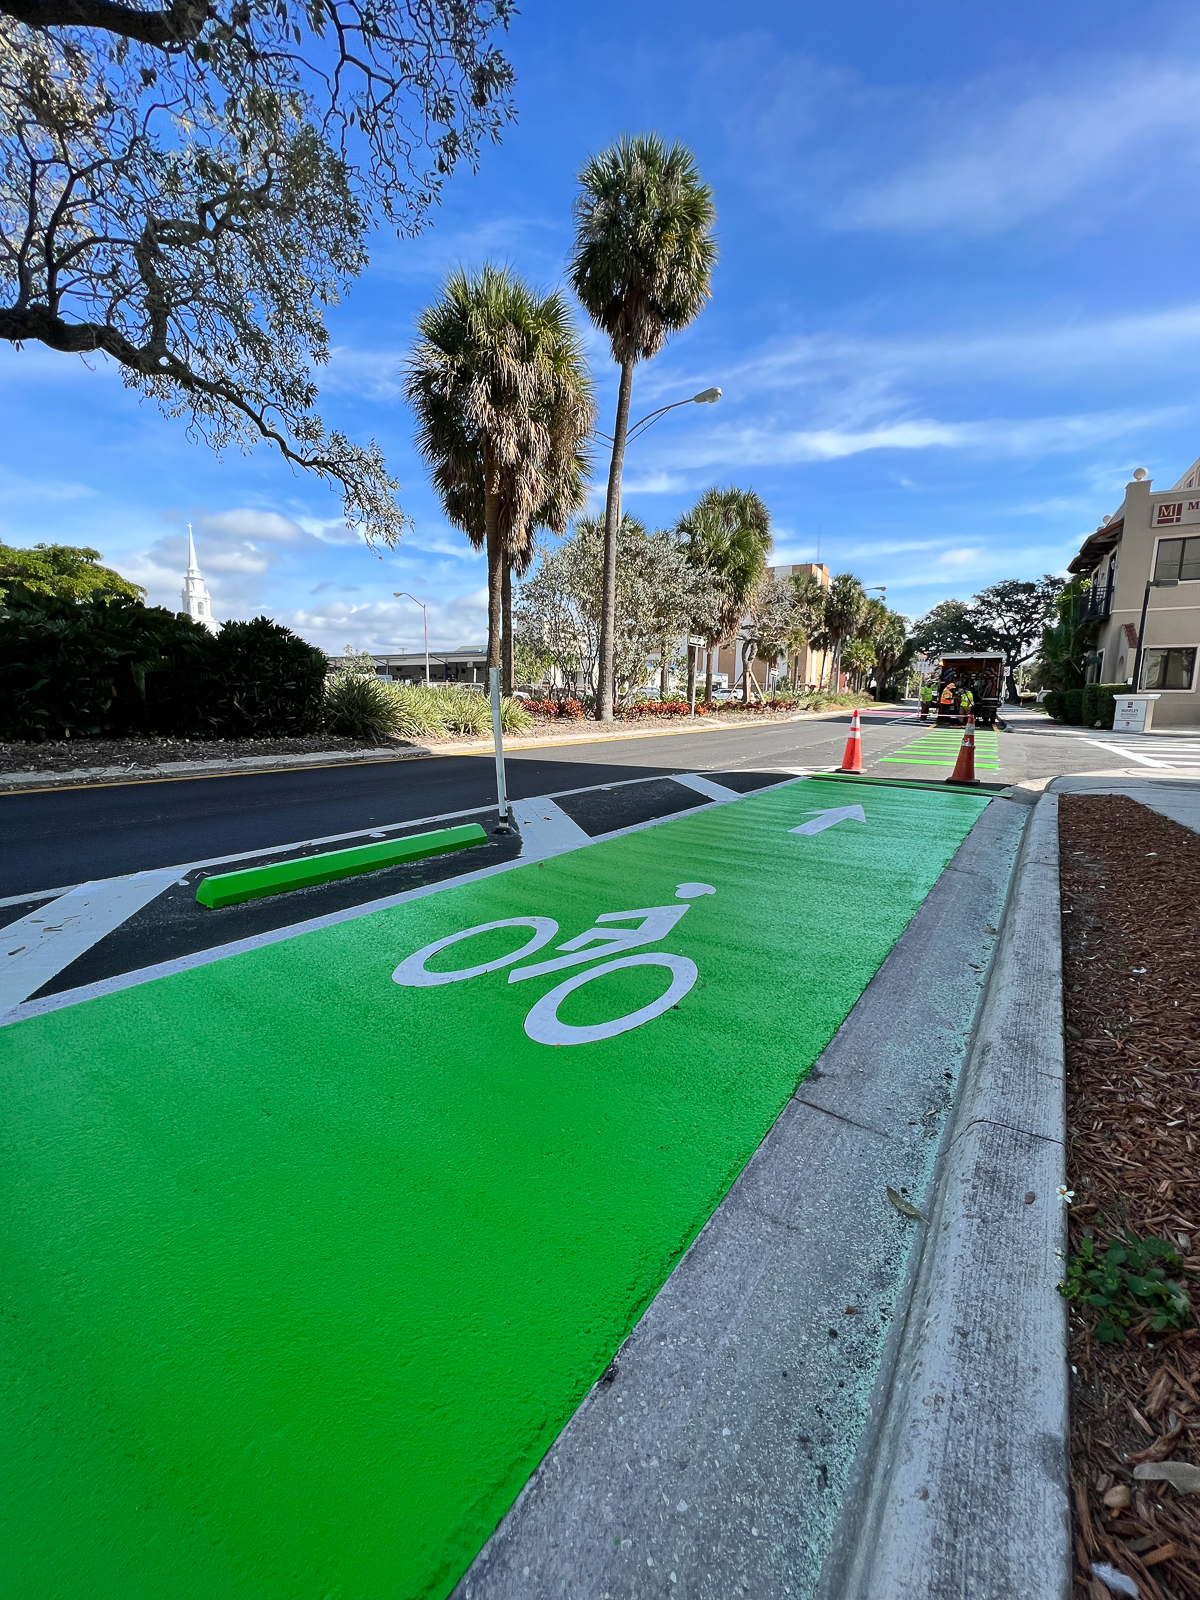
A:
[231,888]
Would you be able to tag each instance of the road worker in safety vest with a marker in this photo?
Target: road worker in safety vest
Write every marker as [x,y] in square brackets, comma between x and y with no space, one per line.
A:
[966,705]
[946,700]
[926,701]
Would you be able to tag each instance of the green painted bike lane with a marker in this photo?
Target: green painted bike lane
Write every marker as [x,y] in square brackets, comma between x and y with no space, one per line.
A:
[306,1267]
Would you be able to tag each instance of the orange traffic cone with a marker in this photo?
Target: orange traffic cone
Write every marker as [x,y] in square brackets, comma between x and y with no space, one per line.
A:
[964,767]
[852,760]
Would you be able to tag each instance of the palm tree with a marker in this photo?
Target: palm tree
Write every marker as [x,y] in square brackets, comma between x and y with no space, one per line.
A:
[727,535]
[642,268]
[809,595]
[503,398]
[845,607]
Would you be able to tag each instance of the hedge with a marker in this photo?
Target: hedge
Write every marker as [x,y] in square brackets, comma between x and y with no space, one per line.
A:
[1095,702]
[110,667]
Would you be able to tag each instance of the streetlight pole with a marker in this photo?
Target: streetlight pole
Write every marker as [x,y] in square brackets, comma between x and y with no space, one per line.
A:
[403,594]
[706,397]
[1151,583]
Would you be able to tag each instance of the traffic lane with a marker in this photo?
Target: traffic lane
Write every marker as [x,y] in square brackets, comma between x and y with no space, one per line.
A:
[67,836]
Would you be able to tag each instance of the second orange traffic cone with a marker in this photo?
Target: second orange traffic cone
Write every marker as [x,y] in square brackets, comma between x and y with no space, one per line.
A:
[964,767]
[852,760]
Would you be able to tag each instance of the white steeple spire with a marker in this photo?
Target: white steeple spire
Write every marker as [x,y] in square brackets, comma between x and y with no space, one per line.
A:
[196,599]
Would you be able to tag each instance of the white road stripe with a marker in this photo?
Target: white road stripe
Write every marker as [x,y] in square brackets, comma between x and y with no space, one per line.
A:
[705,786]
[546,829]
[39,946]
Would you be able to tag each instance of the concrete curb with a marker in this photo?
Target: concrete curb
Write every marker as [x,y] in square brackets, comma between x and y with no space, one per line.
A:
[16,782]
[961,1481]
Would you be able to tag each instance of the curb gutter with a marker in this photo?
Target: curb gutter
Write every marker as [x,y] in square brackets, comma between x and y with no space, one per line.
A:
[961,1479]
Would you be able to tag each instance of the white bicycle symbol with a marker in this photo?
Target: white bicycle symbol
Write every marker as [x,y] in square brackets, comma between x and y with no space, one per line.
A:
[543,1024]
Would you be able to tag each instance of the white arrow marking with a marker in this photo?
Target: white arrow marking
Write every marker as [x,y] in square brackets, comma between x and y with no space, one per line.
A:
[830,819]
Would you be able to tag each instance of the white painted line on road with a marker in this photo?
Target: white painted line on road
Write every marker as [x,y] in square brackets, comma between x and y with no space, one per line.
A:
[1124,750]
[39,946]
[546,829]
[705,786]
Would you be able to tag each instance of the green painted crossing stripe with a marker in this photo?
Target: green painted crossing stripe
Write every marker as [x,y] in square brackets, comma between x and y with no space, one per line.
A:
[305,1268]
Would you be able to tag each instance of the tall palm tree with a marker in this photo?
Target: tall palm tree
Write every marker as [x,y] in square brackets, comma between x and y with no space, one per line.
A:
[845,607]
[727,535]
[809,595]
[503,400]
[642,268]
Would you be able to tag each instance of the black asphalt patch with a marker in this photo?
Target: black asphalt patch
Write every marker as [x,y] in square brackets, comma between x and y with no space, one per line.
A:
[174,925]
[605,809]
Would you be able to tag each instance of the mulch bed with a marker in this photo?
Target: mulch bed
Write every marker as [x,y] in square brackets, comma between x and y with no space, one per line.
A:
[1131,932]
[70,755]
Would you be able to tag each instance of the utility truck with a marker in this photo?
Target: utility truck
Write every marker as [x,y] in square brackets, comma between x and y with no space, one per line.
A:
[982,675]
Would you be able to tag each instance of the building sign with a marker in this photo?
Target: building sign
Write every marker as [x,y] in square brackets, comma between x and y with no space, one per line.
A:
[1169,513]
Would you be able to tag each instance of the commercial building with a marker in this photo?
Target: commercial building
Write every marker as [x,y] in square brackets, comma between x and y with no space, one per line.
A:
[803,667]
[445,666]
[1144,559]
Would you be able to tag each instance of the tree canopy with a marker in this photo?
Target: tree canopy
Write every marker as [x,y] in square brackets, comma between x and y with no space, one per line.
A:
[185,187]
[60,572]
[642,268]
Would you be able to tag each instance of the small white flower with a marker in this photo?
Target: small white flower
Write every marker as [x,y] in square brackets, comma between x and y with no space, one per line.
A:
[1065,1195]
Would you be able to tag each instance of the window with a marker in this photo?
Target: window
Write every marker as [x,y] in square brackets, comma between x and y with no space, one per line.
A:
[1178,559]
[1169,669]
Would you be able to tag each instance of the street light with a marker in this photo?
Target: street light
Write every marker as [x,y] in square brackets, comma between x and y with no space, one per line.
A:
[1151,583]
[403,594]
[706,397]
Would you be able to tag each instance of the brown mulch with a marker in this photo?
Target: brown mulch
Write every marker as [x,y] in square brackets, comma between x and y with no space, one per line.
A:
[1131,931]
[70,755]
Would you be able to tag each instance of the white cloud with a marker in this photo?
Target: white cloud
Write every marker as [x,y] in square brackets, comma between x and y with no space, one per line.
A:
[242,523]
[959,558]
[392,625]
[1034,437]
[985,171]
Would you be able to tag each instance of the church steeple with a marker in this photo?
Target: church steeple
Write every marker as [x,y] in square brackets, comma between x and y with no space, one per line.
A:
[196,599]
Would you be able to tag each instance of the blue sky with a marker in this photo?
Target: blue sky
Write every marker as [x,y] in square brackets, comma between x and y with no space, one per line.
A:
[958,302]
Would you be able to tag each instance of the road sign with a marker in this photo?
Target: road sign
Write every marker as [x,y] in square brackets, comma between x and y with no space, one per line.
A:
[314,1249]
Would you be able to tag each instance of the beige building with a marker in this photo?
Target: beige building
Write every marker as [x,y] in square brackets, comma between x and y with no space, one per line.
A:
[1152,538]
[803,666]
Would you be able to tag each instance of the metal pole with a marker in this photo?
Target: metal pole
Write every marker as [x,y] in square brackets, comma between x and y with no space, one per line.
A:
[1137,660]
[498,740]
[425,615]
[693,675]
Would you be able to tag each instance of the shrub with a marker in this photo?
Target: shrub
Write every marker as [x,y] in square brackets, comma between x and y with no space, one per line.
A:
[662,708]
[268,682]
[514,718]
[106,667]
[1099,703]
[1065,705]
[359,707]
[110,667]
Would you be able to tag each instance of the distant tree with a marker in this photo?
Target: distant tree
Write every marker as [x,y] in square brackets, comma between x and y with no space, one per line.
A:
[61,571]
[893,649]
[1016,614]
[1006,619]
[1067,641]
[727,538]
[503,401]
[186,185]
[772,626]
[641,266]
[844,610]
[858,657]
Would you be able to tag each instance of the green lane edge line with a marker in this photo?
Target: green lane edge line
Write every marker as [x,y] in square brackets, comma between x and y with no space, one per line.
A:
[887,781]
[232,888]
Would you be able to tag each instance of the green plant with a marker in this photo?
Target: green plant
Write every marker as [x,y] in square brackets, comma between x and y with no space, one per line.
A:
[1127,1283]
[269,683]
[642,263]
[359,707]
[513,716]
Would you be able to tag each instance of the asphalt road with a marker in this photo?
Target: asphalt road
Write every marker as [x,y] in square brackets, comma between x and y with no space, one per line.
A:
[57,838]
